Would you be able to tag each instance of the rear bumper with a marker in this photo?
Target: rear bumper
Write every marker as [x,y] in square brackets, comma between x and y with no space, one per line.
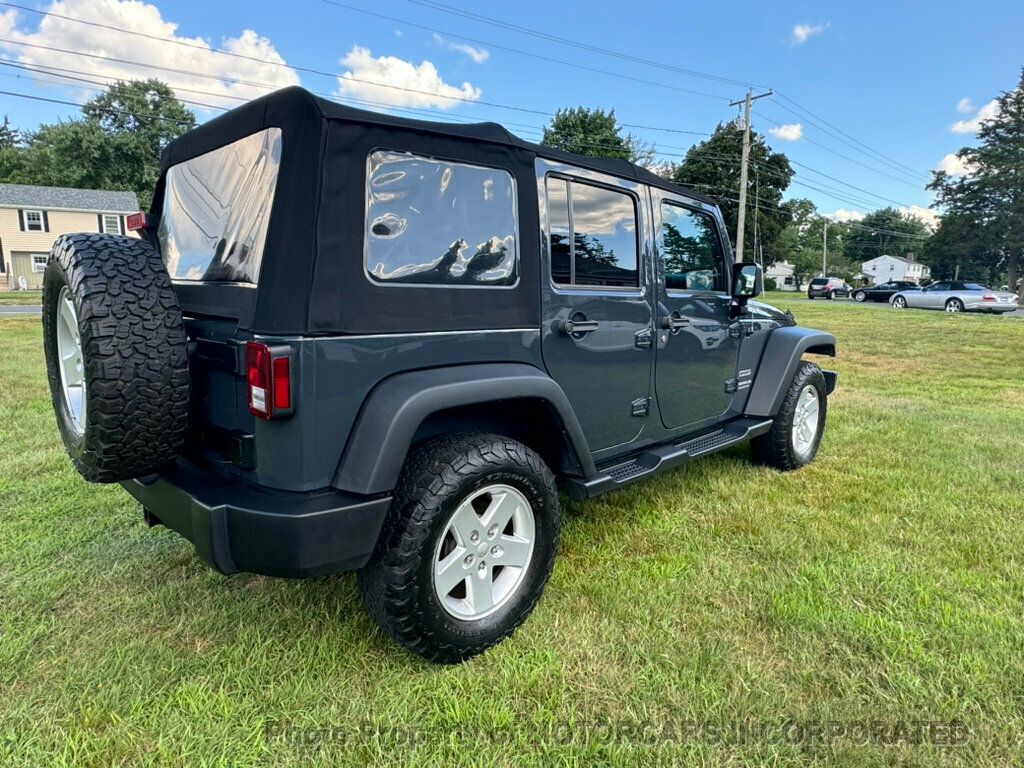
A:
[236,527]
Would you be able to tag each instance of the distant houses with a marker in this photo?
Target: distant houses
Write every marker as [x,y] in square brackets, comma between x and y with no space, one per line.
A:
[882,269]
[32,217]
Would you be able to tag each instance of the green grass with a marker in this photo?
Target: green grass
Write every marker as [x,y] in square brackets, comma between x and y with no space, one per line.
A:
[881,584]
[20,298]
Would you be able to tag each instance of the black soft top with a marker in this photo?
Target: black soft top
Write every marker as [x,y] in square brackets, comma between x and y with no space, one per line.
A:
[312,279]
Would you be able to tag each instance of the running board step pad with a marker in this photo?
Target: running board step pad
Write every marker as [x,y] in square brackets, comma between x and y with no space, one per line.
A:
[660,458]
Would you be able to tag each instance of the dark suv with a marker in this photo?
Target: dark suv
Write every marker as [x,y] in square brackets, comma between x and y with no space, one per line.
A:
[827,288]
[349,340]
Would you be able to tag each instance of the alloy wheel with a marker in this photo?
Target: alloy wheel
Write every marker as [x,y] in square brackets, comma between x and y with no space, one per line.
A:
[72,363]
[805,420]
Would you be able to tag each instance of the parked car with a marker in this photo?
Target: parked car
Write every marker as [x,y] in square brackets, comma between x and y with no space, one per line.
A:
[957,296]
[360,341]
[827,288]
[883,291]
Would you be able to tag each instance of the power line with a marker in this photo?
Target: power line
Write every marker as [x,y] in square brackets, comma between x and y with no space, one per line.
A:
[437,6]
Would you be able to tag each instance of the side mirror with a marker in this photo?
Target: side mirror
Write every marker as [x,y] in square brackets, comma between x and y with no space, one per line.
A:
[747,281]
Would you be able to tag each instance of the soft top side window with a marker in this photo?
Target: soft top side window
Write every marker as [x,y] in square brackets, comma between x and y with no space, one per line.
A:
[441,223]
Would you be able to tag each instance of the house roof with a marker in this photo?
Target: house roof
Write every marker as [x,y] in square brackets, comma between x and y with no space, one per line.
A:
[896,258]
[68,198]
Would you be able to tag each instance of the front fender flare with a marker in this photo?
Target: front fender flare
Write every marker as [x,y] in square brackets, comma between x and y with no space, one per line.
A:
[782,354]
[396,407]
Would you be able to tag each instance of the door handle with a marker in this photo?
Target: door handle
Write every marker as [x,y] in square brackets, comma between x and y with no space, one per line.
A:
[674,322]
[572,327]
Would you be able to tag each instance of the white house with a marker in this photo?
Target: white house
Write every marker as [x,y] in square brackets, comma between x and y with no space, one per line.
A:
[782,273]
[882,269]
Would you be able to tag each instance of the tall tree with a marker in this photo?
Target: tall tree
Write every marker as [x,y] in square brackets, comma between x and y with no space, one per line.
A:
[713,167]
[115,145]
[989,198]
[885,231]
[595,133]
[9,137]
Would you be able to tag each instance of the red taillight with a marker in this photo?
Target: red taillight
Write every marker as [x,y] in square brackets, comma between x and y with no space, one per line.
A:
[988,297]
[270,381]
[137,221]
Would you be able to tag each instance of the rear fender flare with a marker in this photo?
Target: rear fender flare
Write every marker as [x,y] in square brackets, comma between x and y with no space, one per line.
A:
[395,409]
[783,351]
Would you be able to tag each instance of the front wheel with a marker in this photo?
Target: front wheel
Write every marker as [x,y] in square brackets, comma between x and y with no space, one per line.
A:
[860,296]
[467,549]
[899,302]
[954,305]
[831,295]
[793,440]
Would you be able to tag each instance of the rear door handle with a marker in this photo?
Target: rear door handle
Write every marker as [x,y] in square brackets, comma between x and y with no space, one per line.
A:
[572,327]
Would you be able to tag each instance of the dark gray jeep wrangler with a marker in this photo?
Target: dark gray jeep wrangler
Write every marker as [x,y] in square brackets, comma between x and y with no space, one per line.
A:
[348,340]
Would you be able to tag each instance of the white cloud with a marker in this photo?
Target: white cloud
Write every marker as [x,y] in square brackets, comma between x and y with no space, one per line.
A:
[953,165]
[213,74]
[927,216]
[478,55]
[790,132]
[397,82]
[844,215]
[965,106]
[971,125]
[804,32]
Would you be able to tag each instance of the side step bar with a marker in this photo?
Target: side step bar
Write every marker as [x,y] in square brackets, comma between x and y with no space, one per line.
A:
[663,457]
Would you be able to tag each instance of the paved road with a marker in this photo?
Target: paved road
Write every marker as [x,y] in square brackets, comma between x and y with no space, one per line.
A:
[31,309]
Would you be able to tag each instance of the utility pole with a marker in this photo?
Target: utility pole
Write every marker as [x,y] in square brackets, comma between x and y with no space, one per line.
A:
[824,248]
[741,224]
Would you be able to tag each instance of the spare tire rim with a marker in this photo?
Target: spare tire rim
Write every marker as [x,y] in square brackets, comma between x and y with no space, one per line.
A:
[484,552]
[71,363]
[805,420]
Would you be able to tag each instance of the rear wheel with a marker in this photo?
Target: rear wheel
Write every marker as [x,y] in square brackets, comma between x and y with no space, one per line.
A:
[468,547]
[860,296]
[954,305]
[831,295]
[793,440]
[899,302]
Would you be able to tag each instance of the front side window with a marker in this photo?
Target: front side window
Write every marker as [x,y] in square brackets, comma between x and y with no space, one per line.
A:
[690,249]
[34,221]
[216,210]
[111,224]
[39,262]
[592,234]
[436,222]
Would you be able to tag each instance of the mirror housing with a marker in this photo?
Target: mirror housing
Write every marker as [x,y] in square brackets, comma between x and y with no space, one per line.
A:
[747,281]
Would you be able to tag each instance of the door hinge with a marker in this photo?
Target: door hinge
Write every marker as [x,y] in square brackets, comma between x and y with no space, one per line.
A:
[641,406]
[644,338]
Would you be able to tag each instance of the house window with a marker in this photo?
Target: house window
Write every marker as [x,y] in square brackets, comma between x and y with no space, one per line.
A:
[39,262]
[592,233]
[34,221]
[111,224]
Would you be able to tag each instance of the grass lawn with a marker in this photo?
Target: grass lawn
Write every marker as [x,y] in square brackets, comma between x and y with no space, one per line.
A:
[20,298]
[881,585]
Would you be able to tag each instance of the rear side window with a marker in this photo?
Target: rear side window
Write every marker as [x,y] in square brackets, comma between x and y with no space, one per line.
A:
[216,209]
[592,234]
[819,281]
[690,249]
[435,222]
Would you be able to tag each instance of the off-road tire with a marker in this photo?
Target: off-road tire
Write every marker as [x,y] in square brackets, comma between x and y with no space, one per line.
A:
[396,584]
[134,354]
[775,447]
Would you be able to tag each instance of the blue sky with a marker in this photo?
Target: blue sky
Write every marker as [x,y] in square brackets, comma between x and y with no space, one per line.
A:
[900,78]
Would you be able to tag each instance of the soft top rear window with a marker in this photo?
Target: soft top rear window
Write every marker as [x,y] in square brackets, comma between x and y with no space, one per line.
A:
[216,209]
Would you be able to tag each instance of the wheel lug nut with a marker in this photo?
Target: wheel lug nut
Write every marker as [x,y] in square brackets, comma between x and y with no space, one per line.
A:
[496,551]
[474,537]
[469,559]
[492,531]
[482,566]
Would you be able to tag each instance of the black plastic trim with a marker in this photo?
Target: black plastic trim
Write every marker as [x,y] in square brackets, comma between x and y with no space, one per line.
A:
[395,409]
[782,354]
[237,527]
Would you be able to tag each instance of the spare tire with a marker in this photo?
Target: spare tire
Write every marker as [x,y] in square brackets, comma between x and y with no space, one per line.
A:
[116,355]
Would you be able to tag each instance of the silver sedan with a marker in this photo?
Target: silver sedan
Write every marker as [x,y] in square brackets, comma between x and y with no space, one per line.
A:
[957,296]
